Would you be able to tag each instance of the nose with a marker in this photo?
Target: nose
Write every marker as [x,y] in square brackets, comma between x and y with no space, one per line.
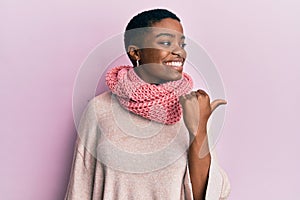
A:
[178,50]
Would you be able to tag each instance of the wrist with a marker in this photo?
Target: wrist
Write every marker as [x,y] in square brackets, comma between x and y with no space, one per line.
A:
[199,146]
[198,137]
[202,129]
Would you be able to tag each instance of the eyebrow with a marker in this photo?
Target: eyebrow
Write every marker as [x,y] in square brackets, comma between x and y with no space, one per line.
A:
[169,35]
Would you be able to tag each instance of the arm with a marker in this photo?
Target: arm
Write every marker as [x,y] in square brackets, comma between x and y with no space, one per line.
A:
[199,167]
[196,112]
[83,172]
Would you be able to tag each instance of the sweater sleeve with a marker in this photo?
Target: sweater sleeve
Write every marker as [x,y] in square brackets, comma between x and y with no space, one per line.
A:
[218,187]
[86,171]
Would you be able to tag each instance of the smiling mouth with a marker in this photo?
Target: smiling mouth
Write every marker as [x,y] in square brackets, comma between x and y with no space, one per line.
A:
[174,63]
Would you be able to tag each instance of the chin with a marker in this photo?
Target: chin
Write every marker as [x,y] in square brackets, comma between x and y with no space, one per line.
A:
[176,78]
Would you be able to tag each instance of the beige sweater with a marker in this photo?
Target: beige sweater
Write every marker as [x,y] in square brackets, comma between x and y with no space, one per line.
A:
[120,155]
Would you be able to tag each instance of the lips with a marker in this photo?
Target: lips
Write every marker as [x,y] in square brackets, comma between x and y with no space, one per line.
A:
[175,64]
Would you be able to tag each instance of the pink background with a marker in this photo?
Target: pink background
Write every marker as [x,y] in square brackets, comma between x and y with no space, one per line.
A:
[255,45]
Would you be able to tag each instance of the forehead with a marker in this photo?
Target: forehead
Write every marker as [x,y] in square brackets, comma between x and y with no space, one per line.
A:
[169,23]
[167,27]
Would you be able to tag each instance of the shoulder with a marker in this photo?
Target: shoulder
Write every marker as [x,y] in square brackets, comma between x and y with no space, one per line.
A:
[99,104]
[104,98]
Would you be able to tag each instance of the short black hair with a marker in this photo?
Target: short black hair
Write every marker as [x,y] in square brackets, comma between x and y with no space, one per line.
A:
[146,19]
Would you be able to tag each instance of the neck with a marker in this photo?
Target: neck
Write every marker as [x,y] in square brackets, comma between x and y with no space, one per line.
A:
[142,75]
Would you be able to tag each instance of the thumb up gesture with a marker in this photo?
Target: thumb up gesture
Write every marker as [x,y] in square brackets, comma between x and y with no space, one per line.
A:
[197,109]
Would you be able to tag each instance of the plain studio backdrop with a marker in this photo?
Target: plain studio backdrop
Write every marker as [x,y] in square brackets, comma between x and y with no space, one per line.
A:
[254,44]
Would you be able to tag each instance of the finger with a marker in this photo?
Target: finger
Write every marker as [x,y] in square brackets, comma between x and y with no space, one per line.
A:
[182,99]
[193,93]
[216,103]
[201,92]
[189,96]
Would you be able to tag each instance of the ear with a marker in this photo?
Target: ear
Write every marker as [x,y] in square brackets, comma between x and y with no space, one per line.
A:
[134,52]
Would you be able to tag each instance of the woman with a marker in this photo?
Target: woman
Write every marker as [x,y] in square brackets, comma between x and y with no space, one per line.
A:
[146,138]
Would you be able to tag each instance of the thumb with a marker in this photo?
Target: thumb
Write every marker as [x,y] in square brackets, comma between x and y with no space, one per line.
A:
[216,103]
[182,99]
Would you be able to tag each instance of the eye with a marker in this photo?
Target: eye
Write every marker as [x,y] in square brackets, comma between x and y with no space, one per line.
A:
[165,43]
[183,45]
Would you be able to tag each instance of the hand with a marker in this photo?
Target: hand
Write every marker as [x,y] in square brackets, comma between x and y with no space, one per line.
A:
[197,109]
[190,111]
[206,108]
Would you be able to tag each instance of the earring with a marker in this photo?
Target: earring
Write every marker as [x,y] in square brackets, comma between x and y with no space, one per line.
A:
[137,63]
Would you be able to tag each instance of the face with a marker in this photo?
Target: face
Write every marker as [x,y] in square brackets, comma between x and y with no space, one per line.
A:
[162,55]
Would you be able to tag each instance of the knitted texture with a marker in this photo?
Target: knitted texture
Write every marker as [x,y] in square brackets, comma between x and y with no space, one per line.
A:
[159,103]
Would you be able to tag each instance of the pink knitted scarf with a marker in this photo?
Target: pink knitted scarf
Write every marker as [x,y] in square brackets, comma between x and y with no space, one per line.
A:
[155,102]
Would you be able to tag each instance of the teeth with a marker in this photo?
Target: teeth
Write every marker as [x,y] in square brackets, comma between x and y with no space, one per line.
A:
[176,64]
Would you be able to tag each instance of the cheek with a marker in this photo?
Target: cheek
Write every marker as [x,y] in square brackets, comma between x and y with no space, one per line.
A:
[155,55]
[164,54]
[160,55]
